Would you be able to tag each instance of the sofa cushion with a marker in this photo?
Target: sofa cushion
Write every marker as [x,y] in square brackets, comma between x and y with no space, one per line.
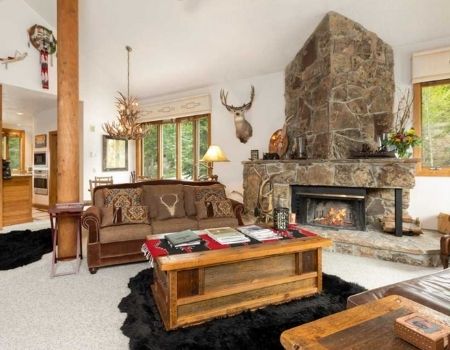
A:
[204,210]
[189,196]
[174,225]
[164,201]
[109,215]
[122,197]
[136,214]
[217,222]
[222,208]
[121,233]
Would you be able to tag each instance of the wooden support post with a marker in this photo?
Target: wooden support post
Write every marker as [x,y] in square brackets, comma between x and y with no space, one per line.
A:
[68,121]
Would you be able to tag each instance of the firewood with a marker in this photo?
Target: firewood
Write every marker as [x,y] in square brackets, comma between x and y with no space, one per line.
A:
[407,227]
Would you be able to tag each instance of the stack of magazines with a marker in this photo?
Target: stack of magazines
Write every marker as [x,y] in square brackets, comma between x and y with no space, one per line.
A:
[227,235]
[259,233]
[183,239]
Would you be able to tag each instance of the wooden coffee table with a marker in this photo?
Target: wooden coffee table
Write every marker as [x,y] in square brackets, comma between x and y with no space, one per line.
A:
[195,287]
[368,326]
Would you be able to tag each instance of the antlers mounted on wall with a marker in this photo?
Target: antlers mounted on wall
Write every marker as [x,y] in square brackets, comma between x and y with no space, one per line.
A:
[243,128]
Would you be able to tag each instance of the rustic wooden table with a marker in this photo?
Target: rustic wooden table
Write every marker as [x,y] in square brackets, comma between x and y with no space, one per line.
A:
[368,326]
[195,287]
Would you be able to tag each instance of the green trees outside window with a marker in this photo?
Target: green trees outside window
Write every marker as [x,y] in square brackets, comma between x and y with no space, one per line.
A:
[13,144]
[172,149]
[436,125]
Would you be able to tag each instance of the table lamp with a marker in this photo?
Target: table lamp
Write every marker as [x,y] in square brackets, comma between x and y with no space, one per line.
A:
[213,154]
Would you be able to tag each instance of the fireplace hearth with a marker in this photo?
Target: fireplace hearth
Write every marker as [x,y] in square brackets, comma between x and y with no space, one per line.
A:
[329,206]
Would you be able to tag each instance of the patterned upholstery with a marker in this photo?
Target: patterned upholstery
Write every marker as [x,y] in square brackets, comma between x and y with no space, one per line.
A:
[122,197]
[222,208]
[136,214]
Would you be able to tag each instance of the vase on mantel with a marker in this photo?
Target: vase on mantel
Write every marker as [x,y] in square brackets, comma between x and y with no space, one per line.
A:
[403,152]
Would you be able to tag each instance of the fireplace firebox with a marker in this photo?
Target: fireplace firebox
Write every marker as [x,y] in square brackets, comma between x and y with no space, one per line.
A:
[334,207]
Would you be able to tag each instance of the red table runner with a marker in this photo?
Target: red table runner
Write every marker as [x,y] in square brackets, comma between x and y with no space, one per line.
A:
[154,248]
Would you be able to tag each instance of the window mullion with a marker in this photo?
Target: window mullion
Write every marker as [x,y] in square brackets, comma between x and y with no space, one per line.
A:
[160,151]
[195,148]
[178,149]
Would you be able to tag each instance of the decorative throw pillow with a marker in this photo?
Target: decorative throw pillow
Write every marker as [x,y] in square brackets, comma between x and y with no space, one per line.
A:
[122,197]
[222,208]
[204,210]
[170,205]
[165,201]
[189,196]
[136,214]
[210,194]
[108,216]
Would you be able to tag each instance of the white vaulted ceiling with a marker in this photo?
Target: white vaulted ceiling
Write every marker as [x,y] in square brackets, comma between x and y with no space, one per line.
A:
[184,44]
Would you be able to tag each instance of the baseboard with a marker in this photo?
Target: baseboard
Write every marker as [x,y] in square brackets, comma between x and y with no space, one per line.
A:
[40,206]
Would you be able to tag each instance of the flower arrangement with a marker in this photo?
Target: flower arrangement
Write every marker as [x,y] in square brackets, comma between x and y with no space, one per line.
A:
[401,138]
[403,141]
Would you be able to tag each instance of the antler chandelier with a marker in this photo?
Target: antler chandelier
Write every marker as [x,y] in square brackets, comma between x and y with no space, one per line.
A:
[127,125]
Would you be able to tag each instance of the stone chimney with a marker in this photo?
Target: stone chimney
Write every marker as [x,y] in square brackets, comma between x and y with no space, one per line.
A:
[339,89]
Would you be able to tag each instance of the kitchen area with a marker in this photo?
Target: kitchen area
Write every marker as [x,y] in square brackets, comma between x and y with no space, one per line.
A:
[28,148]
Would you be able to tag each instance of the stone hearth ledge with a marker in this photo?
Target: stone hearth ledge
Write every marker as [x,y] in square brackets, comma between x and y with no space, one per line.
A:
[420,250]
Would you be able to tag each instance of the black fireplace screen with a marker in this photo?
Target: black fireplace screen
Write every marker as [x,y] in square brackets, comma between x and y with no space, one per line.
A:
[336,207]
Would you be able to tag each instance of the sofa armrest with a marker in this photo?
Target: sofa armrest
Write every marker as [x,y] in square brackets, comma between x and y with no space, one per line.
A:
[238,209]
[91,220]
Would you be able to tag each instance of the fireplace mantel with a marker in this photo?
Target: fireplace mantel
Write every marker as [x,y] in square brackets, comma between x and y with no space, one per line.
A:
[367,173]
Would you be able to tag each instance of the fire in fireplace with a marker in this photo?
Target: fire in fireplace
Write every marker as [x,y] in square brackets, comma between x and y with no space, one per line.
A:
[336,207]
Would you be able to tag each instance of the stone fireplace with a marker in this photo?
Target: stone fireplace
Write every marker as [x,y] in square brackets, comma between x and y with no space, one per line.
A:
[339,92]
[339,97]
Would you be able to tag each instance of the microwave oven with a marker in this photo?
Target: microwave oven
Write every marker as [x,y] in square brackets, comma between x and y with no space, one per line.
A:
[40,159]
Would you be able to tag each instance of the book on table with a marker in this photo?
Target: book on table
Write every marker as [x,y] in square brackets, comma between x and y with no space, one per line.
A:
[183,238]
[259,233]
[227,235]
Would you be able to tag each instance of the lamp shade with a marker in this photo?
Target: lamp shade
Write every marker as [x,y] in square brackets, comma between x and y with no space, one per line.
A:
[214,154]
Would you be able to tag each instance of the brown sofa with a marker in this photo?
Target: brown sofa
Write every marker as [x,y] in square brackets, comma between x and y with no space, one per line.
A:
[121,243]
[431,290]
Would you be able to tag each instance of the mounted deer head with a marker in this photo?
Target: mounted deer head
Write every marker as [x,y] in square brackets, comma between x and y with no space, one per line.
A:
[243,128]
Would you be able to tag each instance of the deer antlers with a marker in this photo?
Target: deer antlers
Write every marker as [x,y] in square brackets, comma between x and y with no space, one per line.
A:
[231,108]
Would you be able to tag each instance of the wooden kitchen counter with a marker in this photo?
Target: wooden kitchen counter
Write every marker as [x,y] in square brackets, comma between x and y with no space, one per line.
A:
[17,200]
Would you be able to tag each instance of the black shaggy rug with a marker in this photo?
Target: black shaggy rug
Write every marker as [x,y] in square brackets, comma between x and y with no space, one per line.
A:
[18,248]
[260,329]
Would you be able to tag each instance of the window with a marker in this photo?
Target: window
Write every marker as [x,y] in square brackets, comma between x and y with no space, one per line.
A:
[172,149]
[13,148]
[432,121]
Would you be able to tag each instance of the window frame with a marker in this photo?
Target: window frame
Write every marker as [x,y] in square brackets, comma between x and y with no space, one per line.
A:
[417,113]
[21,135]
[178,122]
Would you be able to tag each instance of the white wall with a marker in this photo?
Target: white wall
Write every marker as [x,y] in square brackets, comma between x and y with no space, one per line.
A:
[265,116]
[16,18]
[431,195]
[98,93]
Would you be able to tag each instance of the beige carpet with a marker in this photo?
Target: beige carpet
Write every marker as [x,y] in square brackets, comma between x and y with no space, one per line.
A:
[80,311]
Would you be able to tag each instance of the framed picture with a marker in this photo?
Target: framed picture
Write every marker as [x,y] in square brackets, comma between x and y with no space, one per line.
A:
[254,154]
[115,154]
[40,141]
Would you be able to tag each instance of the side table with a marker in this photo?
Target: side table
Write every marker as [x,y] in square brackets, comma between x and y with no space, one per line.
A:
[64,210]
